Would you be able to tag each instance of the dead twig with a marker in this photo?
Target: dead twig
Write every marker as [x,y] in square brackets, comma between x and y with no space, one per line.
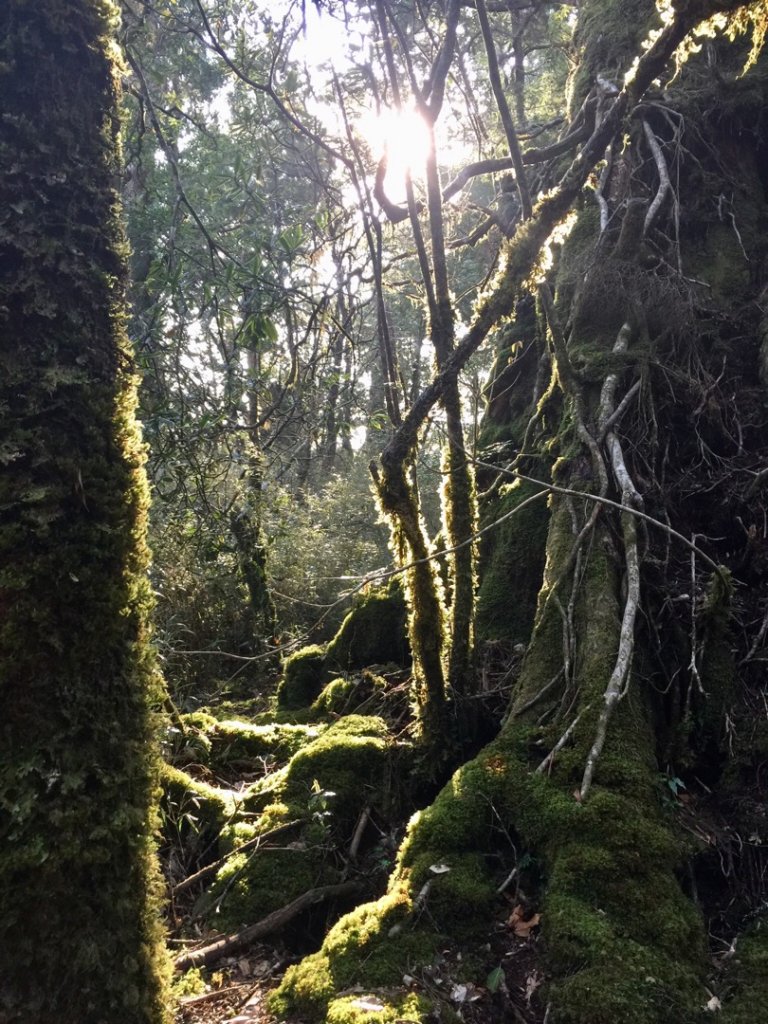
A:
[209,954]
[211,869]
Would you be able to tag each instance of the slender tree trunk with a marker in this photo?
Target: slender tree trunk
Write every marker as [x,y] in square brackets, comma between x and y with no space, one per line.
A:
[79,933]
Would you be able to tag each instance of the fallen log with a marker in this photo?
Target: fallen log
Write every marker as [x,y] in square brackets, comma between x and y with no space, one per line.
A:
[207,955]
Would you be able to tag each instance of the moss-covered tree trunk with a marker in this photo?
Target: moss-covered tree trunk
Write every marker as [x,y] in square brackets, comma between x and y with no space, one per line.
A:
[79,933]
[639,598]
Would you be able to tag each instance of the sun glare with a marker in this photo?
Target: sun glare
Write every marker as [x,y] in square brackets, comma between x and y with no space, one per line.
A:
[403,136]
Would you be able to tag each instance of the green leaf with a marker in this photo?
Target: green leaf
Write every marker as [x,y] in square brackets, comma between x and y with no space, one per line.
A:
[494,980]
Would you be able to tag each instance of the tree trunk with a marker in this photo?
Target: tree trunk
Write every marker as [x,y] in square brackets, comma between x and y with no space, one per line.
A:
[79,932]
[641,677]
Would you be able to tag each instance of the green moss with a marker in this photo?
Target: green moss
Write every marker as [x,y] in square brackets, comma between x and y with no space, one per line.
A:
[304,674]
[746,980]
[349,759]
[343,695]
[238,742]
[250,886]
[183,795]
[607,38]
[191,983]
[373,633]
[356,1009]
[370,946]
[511,566]
[326,784]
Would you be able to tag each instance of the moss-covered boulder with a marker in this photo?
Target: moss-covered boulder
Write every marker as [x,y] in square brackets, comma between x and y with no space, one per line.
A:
[193,814]
[304,674]
[373,633]
[235,743]
[344,695]
[323,789]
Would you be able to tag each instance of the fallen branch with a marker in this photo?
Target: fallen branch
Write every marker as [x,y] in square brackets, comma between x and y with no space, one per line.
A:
[207,955]
[211,869]
[357,838]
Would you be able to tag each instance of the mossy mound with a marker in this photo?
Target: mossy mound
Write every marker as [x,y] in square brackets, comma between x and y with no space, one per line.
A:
[359,950]
[192,813]
[304,674]
[237,742]
[373,633]
[184,795]
[324,788]
[344,695]
[349,759]
[224,744]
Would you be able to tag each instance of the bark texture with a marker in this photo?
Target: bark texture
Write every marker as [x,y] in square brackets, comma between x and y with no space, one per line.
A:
[79,931]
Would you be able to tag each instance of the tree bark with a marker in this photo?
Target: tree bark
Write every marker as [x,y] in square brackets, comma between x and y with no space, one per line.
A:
[80,937]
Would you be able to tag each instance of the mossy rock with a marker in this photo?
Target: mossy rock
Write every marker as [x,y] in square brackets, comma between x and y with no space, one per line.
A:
[304,674]
[235,742]
[346,694]
[373,633]
[326,785]
[251,885]
[192,813]
[350,760]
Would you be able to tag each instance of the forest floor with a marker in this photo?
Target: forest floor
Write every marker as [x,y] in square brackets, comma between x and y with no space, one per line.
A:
[505,957]
[237,990]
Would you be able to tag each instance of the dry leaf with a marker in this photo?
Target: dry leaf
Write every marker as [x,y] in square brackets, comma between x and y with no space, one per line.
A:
[532,982]
[518,923]
[439,869]
[459,993]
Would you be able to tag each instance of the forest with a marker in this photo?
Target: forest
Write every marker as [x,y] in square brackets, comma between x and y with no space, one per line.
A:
[383,511]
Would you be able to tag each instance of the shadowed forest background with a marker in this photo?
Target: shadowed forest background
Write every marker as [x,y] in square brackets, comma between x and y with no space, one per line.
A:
[445,323]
